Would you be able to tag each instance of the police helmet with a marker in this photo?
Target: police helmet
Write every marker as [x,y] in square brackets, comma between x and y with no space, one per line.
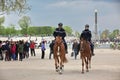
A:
[87,25]
[60,24]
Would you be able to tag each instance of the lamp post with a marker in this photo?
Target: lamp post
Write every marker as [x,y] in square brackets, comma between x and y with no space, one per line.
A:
[96,32]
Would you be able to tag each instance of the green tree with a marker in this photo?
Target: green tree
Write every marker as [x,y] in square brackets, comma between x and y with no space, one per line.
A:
[77,34]
[46,30]
[10,30]
[2,19]
[24,23]
[18,6]
[33,30]
[111,36]
[105,34]
[114,34]
[68,30]
[40,30]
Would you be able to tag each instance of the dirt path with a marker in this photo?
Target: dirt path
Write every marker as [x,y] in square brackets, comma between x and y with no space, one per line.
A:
[105,66]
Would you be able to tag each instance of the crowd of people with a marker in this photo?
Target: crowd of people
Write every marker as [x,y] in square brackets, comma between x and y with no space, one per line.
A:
[16,50]
[19,50]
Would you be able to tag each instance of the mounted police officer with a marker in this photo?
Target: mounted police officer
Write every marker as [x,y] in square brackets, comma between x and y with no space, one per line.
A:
[61,32]
[86,34]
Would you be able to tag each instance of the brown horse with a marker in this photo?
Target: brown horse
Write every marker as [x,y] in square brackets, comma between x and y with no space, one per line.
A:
[59,54]
[85,51]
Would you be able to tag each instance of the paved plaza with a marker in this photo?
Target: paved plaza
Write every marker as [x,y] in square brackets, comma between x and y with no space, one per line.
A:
[105,66]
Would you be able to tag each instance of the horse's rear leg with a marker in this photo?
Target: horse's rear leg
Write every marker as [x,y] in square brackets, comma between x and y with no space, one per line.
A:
[87,70]
[82,65]
[89,63]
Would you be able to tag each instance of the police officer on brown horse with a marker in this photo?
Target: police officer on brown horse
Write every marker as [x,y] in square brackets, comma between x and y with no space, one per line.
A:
[61,32]
[86,34]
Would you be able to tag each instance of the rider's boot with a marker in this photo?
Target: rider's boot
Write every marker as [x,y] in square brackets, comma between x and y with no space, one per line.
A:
[52,47]
[92,51]
[66,50]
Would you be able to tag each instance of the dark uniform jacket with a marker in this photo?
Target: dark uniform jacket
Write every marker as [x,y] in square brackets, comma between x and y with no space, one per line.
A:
[59,32]
[86,34]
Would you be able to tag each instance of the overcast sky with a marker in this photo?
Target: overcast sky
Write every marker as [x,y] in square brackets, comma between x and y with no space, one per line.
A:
[73,13]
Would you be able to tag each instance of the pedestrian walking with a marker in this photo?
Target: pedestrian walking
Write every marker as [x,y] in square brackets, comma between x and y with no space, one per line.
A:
[75,49]
[32,48]
[20,50]
[51,49]
[13,50]
[43,50]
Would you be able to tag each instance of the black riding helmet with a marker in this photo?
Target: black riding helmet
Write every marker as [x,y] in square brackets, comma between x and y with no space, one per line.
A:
[60,24]
[87,25]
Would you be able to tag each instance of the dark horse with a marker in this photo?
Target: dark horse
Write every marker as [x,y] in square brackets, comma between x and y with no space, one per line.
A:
[85,51]
[59,54]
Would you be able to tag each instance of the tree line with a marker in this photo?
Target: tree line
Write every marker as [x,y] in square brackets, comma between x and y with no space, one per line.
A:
[27,29]
[106,34]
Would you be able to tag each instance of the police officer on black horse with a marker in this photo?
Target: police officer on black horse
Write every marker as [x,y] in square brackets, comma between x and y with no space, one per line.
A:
[86,34]
[60,32]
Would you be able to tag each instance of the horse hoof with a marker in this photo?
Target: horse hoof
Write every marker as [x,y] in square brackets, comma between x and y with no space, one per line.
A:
[57,70]
[82,72]
[62,69]
[60,72]
[87,70]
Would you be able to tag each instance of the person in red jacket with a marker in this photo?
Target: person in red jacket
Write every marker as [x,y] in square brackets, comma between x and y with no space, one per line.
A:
[32,48]
[13,50]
